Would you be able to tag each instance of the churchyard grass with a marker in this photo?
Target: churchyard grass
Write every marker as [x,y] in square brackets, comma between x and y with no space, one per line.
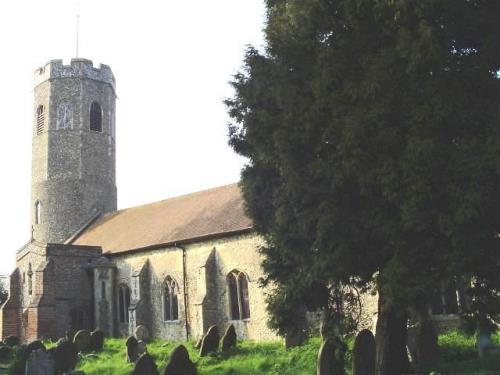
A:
[457,352]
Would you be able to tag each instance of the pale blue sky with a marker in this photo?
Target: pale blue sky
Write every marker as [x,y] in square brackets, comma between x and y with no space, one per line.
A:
[172,61]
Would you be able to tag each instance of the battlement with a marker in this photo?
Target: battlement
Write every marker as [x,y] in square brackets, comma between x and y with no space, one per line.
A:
[78,68]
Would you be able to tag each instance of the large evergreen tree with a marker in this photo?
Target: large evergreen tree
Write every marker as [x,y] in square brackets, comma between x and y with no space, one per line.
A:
[372,133]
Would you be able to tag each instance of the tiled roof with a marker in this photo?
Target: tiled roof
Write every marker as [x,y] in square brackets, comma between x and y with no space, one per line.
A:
[189,217]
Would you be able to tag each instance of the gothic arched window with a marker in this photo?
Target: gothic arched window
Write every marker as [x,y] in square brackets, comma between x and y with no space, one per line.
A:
[38,212]
[170,300]
[123,303]
[239,303]
[40,119]
[95,117]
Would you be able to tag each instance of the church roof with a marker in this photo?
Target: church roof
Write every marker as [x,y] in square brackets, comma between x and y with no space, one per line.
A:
[187,218]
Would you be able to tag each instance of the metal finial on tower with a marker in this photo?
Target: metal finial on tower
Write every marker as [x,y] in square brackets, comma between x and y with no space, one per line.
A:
[77,32]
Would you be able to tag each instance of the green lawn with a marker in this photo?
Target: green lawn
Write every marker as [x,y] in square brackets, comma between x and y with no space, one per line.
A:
[457,352]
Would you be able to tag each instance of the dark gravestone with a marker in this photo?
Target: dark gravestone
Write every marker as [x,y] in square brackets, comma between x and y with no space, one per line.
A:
[427,347]
[210,343]
[12,341]
[131,345]
[229,339]
[82,340]
[96,341]
[65,357]
[39,363]
[6,353]
[363,354]
[179,363]
[35,345]
[145,366]
[331,357]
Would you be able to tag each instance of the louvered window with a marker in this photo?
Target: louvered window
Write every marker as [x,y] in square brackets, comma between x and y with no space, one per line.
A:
[40,119]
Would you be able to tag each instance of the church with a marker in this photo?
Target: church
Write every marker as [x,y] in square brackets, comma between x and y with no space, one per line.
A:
[176,266]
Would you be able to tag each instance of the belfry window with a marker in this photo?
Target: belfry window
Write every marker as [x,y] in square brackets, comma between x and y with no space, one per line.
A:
[239,303]
[123,303]
[170,300]
[95,117]
[40,119]
[38,212]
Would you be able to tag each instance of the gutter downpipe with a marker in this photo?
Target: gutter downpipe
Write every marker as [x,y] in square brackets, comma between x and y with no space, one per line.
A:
[184,285]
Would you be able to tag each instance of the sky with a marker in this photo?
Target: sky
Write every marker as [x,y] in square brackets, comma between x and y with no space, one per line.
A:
[173,61]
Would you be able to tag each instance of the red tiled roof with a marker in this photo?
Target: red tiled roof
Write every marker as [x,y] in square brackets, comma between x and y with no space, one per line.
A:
[202,214]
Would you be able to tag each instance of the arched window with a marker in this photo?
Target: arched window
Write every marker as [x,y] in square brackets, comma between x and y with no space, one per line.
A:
[123,303]
[239,304]
[170,300]
[38,212]
[95,117]
[40,119]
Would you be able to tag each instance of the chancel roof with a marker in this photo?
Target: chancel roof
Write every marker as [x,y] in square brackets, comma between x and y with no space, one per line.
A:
[186,218]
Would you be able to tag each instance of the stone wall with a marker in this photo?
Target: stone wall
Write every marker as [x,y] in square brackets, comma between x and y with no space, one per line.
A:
[207,265]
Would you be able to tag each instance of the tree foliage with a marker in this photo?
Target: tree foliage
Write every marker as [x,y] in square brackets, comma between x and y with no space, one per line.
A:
[4,293]
[372,133]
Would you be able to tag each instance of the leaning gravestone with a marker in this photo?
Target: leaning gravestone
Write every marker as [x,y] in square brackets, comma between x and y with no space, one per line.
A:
[179,363]
[210,343]
[141,333]
[145,366]
[39,363]
[65,357]
[12,341]
[96,341]
[131,345]
[363,354]
[82,340]
[6,353]
[229,339]
[331,357]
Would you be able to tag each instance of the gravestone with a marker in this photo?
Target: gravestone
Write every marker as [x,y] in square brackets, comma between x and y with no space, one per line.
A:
[131,345]
[229,339]
[145,366]
[141,333]
[141,348]
[11,341]
[96,341]
[70,335]
[82,340]
[179,363]
[331,357]
[6,353]
[35,345]
[363,354]
[483,343]
[210,343]
[65,357]
[39,363]
[427,347]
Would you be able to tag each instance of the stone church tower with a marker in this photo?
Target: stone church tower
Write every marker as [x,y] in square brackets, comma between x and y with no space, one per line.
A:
[73,166]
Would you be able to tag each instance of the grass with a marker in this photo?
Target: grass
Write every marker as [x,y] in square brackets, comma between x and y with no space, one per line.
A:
[457,352]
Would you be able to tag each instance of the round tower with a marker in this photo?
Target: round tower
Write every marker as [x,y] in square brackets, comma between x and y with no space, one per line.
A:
[73,166]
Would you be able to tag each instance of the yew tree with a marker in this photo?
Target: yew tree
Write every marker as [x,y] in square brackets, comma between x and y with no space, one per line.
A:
[372,134]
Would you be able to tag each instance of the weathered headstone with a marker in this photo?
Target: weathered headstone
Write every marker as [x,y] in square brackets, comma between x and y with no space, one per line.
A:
[39,363]
[6,353]
[229,339]
[12,341]
[96,341]
[427,347]
[82,340]
[331,357]
[131,345]
[145,366]
[35,345]
[65,357]
[363,354]
[210,343]
[179,363]
[141,333]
